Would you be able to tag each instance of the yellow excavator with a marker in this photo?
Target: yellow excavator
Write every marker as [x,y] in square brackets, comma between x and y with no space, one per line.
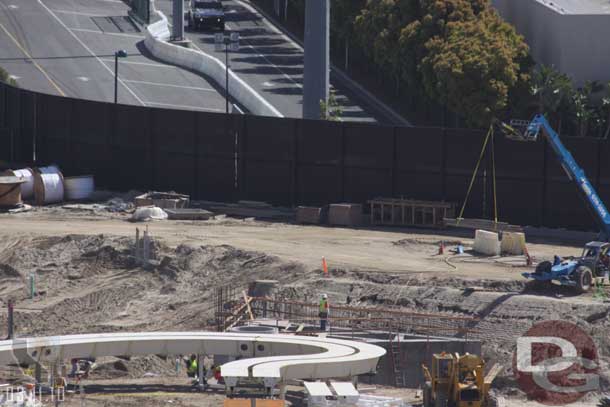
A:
[458,381]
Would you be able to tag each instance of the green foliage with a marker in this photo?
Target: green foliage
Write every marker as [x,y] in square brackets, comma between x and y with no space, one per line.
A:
[459,53]
[331,110]
[474,66]
[4,77]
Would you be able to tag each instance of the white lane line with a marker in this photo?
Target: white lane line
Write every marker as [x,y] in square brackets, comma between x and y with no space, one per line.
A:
[112,1]
[270,25]
[284,74]
[77,13]
[169,85]
[91,52]
[106,33]
[207,109]
[140,63]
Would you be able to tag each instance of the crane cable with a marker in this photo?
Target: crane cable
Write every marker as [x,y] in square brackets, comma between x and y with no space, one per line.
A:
[490,135]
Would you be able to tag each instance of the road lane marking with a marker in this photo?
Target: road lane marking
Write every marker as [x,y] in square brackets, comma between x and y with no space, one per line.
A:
[77,13]
[169,85]
[284,74]
[91,52]
[141,63]
[207,109]
[36,64]
[106,33]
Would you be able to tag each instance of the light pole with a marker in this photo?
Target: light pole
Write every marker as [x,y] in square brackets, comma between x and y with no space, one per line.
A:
[118,54]
[230,43]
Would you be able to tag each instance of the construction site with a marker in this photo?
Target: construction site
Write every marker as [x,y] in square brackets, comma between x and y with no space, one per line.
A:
[270,262]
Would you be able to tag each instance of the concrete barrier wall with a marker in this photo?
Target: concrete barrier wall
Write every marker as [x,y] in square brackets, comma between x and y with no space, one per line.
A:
[156,41]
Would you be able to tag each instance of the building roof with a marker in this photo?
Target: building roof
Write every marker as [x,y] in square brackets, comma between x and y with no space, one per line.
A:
[579,6]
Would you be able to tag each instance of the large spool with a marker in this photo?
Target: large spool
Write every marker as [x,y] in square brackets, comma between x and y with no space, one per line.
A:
[78,188]
[27,187]
[48,185]
[10,191]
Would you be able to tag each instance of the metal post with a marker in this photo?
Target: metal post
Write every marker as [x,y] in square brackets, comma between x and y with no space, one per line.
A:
[116,77]
[11,321]
[227,77]
[200,377]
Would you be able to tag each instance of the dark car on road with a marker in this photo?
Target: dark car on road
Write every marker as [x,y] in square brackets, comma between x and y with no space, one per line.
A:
[207,14]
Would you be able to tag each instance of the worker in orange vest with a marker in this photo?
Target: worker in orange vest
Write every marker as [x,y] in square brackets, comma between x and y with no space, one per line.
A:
[324,307]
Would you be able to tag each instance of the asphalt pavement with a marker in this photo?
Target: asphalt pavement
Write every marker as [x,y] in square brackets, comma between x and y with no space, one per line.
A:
[272,63]
[66,47]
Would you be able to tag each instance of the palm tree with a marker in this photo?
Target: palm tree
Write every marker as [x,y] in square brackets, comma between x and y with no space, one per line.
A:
[553,91]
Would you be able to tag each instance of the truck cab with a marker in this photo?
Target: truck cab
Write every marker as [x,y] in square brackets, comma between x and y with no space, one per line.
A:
[206,14]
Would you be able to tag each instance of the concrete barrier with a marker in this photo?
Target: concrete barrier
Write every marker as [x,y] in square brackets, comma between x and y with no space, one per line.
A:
[156,41]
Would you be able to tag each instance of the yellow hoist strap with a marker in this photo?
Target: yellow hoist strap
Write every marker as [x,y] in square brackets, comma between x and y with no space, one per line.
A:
[476,170]
[493,174]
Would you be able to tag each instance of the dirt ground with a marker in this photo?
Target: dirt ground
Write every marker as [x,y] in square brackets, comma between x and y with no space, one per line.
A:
[87,281]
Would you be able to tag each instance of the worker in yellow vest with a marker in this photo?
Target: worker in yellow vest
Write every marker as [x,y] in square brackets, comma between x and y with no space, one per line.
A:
[323,311]
[192,368]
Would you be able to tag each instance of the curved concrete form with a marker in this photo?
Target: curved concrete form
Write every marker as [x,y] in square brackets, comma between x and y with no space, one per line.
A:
[273,358]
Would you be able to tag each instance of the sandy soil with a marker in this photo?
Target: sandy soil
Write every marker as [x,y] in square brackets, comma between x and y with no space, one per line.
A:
[88,282]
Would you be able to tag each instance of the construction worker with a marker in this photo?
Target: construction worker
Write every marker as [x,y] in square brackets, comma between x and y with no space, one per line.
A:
[192,368]
[323,312]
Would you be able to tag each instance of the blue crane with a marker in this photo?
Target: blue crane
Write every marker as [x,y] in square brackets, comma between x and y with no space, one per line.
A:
[594,263]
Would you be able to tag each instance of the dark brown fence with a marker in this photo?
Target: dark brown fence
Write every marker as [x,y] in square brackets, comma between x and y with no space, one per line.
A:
[291,162]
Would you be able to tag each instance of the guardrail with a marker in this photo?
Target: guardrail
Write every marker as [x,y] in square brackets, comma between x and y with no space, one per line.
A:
[156,41]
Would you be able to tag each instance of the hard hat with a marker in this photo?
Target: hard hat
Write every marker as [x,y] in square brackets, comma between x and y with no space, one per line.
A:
[324,296]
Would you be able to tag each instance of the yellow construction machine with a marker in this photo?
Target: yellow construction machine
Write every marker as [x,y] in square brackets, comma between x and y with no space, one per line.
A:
[458,381]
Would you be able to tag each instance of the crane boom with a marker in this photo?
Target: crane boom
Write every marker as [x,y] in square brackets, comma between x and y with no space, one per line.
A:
[574,172]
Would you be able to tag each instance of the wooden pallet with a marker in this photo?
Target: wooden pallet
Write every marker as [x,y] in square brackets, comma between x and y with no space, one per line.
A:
[407,212]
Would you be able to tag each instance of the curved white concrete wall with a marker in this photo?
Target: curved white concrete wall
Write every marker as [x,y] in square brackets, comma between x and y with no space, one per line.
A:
[157,35]
[273,357]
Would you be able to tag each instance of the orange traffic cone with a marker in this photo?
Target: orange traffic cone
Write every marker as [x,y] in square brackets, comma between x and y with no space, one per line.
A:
[324,267]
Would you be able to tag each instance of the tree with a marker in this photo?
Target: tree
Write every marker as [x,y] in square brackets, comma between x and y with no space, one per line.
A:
[343,15]
[474,65]
[586,113]
[553,92]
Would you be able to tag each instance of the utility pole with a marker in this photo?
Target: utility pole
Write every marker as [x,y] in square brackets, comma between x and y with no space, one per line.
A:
[317,56]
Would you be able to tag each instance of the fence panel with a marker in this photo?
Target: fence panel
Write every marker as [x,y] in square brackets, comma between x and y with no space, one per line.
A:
[267,153]
[131,149]
[54,124]
[216,147]
[173,137]
[319,155]
[369,162]
[419,164]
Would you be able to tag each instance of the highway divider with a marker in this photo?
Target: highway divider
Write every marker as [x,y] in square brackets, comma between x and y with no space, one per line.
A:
[156,41]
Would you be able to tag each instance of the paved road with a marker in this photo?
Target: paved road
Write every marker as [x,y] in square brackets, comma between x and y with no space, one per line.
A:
[271,62]
[66,47]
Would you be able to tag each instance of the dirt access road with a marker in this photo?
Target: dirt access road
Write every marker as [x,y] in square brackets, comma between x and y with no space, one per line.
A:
[381,250]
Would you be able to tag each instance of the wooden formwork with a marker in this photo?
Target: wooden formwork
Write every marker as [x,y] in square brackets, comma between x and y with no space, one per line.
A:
[406,212]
